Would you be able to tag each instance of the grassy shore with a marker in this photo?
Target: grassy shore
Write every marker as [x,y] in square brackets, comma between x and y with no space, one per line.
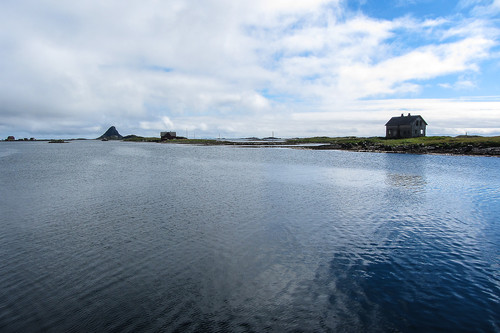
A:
[208,142]
[135,138]
[460,145]
[425,141]
[493,141]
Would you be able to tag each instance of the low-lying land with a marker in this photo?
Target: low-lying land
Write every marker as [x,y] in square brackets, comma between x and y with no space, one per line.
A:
[461,145]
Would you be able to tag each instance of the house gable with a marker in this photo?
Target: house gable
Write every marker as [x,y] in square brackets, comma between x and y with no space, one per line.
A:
[406,126]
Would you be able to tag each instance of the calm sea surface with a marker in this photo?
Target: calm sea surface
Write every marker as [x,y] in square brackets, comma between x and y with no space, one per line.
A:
[129,237]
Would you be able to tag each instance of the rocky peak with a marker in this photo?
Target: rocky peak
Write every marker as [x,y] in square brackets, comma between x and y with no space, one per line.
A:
[111,134]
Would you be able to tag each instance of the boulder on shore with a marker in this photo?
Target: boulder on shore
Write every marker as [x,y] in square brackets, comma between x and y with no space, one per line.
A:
[111,134]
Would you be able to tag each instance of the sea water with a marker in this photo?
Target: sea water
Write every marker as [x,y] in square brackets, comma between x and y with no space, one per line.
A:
[128,237]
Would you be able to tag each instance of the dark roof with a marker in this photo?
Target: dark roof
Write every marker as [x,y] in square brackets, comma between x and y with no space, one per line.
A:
[403,120]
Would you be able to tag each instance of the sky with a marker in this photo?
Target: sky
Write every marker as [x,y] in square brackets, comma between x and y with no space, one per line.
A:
[71,69]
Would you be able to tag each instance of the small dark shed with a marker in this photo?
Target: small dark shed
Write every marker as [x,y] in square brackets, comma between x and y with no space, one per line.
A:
[168,135]
[405,127]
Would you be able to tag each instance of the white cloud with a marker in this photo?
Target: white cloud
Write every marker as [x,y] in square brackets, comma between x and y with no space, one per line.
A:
[392,75]
[161,125]
[484,8]
[480,116]
[217,65]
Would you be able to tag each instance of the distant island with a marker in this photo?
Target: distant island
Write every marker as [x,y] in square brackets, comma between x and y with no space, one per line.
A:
[459,145]
[110,134]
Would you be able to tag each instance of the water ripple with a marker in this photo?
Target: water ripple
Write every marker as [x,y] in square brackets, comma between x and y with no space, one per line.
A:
[120,237]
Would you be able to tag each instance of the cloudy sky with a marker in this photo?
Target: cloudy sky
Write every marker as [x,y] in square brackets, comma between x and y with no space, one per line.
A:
[239,68]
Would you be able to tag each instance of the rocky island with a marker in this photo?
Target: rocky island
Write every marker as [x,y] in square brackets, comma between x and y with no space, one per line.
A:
[460,145]
[444,145]
[110,134]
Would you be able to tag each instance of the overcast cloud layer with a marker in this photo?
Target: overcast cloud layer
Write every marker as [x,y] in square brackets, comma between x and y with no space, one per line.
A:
[247,68]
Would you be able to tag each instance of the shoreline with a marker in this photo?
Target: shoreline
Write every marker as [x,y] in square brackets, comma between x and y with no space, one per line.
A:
[483,153]
[452,146]
[459,149]
[437,145]
[418,150]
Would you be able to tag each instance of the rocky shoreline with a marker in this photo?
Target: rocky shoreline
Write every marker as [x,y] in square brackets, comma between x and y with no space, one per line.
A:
[443,149]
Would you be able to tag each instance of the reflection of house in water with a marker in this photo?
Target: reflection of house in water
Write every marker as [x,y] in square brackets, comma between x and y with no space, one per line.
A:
[405,127]
[415,182]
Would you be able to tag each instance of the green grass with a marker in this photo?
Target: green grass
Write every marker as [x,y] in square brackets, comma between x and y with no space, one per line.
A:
[425,141]
[198,141]
[438,141]
[142,139]
[325,140]
[183,141]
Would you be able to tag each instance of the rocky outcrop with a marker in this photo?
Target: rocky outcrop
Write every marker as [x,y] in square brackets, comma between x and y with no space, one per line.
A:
[446,148]
[111,134]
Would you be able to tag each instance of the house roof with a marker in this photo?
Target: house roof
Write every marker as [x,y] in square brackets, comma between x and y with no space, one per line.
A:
[403,120]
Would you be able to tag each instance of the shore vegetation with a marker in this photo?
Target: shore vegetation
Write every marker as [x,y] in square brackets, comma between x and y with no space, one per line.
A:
[424,140]
[459,145]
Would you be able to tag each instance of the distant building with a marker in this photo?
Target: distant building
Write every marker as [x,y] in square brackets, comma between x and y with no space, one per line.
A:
[168,135]
[405,127]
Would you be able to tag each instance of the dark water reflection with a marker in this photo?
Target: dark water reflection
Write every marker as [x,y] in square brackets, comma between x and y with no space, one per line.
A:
[111,236]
